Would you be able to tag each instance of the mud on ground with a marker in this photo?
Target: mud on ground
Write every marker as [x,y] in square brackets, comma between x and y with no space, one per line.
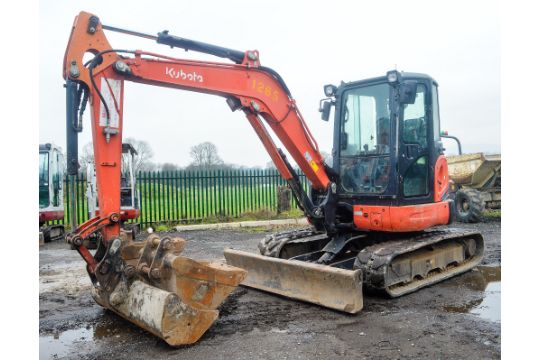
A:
[456,319]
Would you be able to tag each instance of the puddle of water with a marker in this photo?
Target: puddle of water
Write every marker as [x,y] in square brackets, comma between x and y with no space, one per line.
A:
[490,308]
[53,346]
[59,345]
[486,279]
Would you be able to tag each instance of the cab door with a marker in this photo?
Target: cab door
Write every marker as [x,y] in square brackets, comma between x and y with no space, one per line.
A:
[415,160]
[44,193]
[56,179]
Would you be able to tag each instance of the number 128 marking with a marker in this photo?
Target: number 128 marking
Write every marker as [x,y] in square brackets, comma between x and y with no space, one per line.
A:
[260,87]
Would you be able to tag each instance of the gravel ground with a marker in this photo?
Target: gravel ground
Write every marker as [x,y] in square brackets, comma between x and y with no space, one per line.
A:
[456,319]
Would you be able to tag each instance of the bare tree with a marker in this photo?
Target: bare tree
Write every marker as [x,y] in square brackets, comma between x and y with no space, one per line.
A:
[86,157]
[169,167]
[141,161]
[205,156]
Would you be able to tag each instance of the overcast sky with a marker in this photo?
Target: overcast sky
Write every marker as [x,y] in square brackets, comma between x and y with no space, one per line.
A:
[309,43]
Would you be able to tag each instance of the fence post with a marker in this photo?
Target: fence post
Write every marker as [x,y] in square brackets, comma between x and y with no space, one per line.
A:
[283,199]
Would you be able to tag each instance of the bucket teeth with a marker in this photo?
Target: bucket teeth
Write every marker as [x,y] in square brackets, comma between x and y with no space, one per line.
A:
[171,296]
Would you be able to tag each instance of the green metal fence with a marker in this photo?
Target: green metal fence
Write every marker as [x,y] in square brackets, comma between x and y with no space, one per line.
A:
[194,196]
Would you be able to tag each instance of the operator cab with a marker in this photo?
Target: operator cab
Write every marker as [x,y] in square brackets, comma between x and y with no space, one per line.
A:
[386,139]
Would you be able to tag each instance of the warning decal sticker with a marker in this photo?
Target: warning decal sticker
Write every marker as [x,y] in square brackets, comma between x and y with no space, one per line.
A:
[106,86]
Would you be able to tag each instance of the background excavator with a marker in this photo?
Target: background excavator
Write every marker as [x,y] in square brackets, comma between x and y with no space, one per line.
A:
[129,195]
[51,192]
[371,211]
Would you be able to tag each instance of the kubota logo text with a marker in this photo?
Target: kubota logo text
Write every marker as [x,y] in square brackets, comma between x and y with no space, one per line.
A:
[180,74]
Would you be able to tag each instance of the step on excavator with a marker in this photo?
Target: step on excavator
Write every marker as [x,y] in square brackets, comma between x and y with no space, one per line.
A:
[373,213]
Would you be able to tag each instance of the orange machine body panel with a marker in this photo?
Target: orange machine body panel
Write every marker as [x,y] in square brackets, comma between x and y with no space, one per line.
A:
[441,178]
[401,218]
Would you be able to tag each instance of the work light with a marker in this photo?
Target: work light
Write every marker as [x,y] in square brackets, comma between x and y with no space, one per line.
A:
[330,90]
[392,76]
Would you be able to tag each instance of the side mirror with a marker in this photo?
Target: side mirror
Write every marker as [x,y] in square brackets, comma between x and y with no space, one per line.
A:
[407,92]
[344,141]
[325,108]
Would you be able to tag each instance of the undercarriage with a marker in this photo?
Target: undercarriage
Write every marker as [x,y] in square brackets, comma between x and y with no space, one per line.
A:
[294,264]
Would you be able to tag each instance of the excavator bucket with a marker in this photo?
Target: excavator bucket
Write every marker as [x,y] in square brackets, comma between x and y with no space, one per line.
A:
[171,296]
[332,287]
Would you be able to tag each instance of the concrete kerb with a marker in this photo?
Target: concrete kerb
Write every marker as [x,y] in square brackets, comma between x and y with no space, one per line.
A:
[242,224]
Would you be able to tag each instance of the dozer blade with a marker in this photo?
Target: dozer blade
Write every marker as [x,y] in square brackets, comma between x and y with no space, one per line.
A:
[335,288]
[171,296]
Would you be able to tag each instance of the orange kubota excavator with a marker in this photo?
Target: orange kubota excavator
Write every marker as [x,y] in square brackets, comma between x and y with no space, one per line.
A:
[371,211]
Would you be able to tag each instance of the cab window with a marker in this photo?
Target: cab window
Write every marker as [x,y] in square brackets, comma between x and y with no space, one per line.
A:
[365,139]
[414,130]
[435,112]
[43,179]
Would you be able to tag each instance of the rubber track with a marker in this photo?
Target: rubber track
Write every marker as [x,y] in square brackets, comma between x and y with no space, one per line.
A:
[272,244]
[374,260]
